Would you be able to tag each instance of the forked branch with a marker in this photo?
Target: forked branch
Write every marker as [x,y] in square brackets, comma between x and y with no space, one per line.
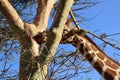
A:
[55,34]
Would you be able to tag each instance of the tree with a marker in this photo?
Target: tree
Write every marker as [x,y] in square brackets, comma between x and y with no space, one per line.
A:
[34,62]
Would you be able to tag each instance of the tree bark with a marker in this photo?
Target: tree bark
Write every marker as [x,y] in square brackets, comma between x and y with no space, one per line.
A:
[33,63]
[54,35]
[56,30]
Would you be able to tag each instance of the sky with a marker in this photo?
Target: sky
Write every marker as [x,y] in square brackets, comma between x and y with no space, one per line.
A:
[107,18]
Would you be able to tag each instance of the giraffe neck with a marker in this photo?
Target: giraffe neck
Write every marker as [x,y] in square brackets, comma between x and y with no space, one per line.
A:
[106,66]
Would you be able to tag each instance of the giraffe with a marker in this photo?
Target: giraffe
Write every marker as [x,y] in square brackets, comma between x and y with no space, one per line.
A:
[106,66]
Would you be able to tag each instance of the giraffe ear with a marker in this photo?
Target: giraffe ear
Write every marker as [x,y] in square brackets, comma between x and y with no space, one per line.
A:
[81,32]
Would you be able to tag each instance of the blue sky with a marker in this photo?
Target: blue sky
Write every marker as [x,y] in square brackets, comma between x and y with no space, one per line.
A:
[108,16]
[106,21]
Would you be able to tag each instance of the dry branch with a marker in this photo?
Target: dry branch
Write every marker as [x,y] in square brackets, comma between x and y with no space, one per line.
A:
[10,14]
[56,30]
[43,13]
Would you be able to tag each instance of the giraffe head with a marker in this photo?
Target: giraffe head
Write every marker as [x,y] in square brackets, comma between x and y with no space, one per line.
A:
[70,32]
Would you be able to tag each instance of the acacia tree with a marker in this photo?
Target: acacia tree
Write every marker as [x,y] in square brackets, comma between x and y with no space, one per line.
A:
[30,66]
[34,61]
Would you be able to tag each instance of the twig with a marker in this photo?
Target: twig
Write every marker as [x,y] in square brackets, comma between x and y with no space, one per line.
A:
[77,25]
[74,20]
[113,34]
[113,45]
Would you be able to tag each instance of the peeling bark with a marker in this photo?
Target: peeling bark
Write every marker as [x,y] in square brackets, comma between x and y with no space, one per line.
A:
[31,60]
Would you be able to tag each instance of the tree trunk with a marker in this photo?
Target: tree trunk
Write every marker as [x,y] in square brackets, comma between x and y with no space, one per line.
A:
[33,62]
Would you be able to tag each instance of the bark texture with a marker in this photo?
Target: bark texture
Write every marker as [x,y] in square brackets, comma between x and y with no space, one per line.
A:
[33,62]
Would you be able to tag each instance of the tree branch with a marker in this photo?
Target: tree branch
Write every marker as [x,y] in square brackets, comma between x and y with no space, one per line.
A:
[74,20]
[55,35]
[43,12]
[10,14]
[113,45]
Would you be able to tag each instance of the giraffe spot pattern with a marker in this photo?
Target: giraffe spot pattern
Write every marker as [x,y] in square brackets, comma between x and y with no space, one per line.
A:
[98,66]
[111,64]
[102,63]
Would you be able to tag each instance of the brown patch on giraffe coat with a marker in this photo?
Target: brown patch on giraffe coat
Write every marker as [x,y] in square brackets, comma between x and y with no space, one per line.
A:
[81,48]
[111,64]
[101,56]
[98,66]
[76,40]
[109,74]
[88,55]
[93,48]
